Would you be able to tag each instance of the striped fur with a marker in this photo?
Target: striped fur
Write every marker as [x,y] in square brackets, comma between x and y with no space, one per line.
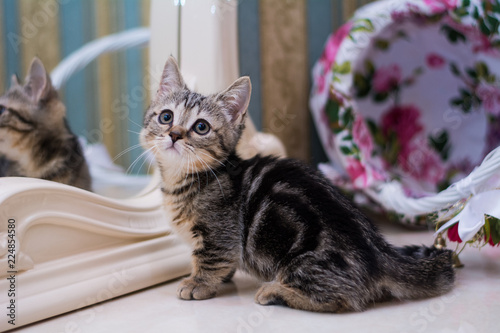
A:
[35,140]
[276,219]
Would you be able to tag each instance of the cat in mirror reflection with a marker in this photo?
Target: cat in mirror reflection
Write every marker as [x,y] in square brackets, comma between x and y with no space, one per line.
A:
[35,139]
[276,219]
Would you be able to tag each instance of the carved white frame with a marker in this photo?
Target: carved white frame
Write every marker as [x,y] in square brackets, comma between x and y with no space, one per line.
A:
[74,248]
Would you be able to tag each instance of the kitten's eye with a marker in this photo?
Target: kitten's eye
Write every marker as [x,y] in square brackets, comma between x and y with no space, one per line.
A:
[166,117]
[2,109]
[201,127]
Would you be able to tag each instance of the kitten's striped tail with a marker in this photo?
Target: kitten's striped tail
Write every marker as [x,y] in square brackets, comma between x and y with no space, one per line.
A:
[419,271]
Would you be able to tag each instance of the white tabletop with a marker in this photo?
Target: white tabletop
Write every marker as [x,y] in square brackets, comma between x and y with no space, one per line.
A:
[471,307]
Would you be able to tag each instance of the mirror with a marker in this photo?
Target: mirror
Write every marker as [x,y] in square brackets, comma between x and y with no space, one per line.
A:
[106,83]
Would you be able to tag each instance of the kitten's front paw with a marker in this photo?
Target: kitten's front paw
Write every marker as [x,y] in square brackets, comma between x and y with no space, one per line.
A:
[189,289]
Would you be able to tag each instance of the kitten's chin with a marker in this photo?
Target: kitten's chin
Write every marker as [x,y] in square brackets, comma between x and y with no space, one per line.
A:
[172,148]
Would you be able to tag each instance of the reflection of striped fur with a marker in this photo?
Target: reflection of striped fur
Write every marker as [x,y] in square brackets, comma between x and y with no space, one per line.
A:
[35,140]
[52,30]
[277,219]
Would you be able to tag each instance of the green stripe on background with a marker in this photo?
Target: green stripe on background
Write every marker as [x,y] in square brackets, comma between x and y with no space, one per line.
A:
[40,27]
[145,22]
[136,91]
[13,40]
[349,7]
[249,54]
[319,27]
[285,74]
[91,77]
[120,86]
[75,94]
[105,12]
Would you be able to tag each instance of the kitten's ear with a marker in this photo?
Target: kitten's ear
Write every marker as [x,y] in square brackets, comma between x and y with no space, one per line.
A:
[171,78]
[236,98]
[14,81]
[38,83]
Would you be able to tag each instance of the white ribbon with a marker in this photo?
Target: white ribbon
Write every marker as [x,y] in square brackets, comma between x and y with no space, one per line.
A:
[392,197]
[472,216]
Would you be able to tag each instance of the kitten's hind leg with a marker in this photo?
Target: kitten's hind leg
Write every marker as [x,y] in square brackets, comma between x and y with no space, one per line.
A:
[275,293]
[229,276]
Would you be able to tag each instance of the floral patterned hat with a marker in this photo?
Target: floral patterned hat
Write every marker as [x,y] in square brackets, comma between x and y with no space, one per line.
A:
[406,100]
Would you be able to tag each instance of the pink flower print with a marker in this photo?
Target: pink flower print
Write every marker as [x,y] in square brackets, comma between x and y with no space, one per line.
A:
[387,78]
[357,172]
[330,52]
[333,44]
[438,6]
[402,120]
[362,175]
[490,96]
[435,61]
[362,137]
[490,241]
[492,138]
[422,162]
[482,44]
[398,15]
[453,233]
[337,97]
[321,83]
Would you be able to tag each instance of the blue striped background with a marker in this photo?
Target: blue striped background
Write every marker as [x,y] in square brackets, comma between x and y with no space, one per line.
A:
[134,81]
[320,21]
[75,92]
[12,49]
[249,53]
[77,26]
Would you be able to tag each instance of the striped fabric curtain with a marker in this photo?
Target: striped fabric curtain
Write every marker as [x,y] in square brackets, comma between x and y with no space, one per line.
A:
[279,41]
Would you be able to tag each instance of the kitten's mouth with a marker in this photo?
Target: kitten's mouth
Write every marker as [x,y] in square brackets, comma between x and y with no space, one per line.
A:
[173,147]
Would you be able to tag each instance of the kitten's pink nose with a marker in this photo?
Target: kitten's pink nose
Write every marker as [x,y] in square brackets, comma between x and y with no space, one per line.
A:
[175,136]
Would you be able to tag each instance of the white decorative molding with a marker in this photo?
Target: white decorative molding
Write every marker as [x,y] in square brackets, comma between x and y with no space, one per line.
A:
[74,248]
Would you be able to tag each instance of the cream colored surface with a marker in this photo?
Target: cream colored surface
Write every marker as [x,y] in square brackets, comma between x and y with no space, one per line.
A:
[472,307]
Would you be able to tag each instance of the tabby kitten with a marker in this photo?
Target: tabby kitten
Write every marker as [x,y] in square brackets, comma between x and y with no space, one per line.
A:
[276,219]
[35,140]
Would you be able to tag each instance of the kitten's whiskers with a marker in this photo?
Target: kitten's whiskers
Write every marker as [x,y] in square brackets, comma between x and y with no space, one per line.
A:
[129,130]
[191,150]
[142,164]
[213,158]
[126,150]
[211,170]
[133,122]
[189,172]
[138,158]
